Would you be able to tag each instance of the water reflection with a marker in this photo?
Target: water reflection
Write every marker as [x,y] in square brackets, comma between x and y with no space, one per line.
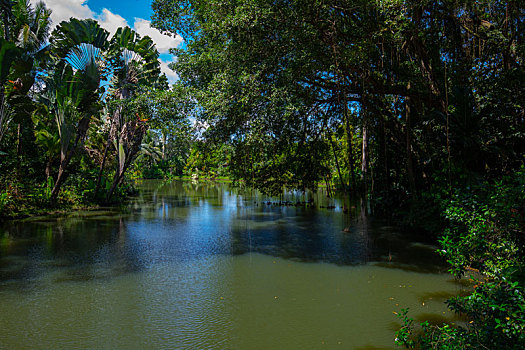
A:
[184,220]
[209,266]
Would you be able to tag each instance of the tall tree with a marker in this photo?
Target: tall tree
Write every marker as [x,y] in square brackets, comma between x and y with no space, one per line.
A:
[136,66]
[74,86]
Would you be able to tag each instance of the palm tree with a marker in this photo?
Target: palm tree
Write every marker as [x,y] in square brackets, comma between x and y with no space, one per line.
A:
[84,57]
[77,47]
[135,63]
[149,149]
[22,52]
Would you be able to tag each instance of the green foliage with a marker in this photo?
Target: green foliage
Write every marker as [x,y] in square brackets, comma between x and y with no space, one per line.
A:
[208,161]
[57,138]
[435,85]
[485,230]
[4,201]
[484,234]
[442,337]
[497,311]
[404,334]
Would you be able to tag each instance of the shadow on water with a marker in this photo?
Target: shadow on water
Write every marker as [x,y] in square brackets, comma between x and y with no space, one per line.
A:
[436,319]
[182,220]
[82,248]
[444,296]
[204,266]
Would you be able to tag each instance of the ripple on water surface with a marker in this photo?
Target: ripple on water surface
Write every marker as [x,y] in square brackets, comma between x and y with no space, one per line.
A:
[217,272]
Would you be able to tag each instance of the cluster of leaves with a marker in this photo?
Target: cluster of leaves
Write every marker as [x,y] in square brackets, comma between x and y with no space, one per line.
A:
[59,123]
[389,92]
[442,337]
[486,227]
[496,311]
[167,146]
[208,160]
[485,234]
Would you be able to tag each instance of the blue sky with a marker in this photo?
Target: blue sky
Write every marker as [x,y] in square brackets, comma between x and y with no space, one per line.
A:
[112,14]
[128,9]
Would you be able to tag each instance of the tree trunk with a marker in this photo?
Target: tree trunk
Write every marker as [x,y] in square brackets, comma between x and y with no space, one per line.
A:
[116,181]
[48,167]
[6,24]
[408,143]
[18,147]
[364,156]
[164,137]
[61,177]
[337,163]
[3,111]
[364,160]
[130,138]
[350,149]
[82,128]
[116,117]
[328,189]
[385,161]
[101,169]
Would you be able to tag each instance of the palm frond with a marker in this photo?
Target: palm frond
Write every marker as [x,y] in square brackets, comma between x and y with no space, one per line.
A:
[83,55]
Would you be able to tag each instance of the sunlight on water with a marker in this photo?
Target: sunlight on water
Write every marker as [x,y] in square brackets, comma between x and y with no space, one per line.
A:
[194,266]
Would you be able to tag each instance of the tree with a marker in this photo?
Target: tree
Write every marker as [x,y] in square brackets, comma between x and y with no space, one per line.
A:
[433,91]
[24,52]
[136,66]
[411,71]
[84,56]
[74,85]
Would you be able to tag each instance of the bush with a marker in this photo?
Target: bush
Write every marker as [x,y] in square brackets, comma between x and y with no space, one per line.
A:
[485,232]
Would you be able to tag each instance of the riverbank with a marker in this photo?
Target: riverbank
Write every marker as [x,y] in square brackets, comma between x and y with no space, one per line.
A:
[19,202]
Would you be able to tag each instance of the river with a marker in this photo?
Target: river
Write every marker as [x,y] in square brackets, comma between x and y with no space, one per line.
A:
[208,266]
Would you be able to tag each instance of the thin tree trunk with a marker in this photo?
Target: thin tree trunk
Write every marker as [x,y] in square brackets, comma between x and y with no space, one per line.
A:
[364,158]
[114,120]
[102,163]
[164,137]
[337,164]
[83,126]
[48,167]
[61,177]
[385,155]
[18,147]
[3,111]
[116,181]
[328,190]
[350,151]
[408,144]
[6,25]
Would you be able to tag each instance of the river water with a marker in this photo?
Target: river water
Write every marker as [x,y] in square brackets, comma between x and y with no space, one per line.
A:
[208,266]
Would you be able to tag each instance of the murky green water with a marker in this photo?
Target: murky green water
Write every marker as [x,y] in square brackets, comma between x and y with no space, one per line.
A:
[204,266]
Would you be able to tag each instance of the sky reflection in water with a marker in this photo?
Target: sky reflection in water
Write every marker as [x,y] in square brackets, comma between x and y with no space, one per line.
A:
[191,265]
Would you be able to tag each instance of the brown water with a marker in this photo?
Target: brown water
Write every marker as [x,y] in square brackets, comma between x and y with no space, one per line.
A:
[206,266]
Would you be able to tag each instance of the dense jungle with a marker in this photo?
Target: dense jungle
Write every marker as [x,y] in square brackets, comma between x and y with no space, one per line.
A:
[414,109]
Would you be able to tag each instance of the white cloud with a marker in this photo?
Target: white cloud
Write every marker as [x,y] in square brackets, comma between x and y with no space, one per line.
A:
[163,42]
[171,75]
[110,21]
[63,10]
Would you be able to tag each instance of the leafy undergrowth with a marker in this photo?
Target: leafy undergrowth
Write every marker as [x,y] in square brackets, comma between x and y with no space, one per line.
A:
[485,233]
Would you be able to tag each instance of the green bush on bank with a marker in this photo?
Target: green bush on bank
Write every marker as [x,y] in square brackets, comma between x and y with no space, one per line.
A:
[485,232]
